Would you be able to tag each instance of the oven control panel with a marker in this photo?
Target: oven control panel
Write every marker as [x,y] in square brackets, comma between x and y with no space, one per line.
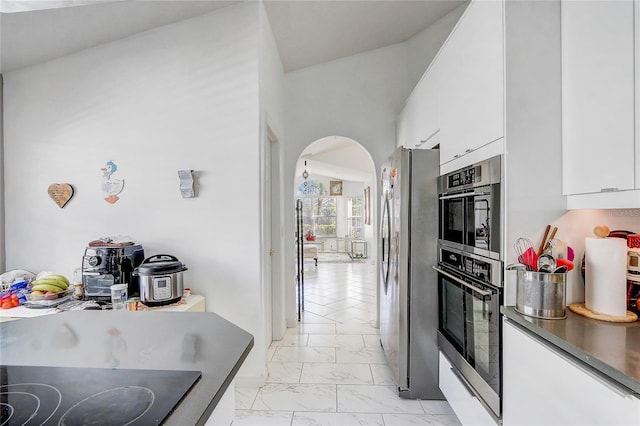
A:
[464,177]
[485,270]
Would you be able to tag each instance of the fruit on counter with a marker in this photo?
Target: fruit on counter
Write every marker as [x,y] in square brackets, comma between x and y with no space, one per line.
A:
[51,283]
[50,295]
[58,277]
[9,301]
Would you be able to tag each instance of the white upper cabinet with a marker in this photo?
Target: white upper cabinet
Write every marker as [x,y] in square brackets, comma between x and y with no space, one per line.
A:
[598,141]
[470,75]
[427,100]
[418,122]
[401,128]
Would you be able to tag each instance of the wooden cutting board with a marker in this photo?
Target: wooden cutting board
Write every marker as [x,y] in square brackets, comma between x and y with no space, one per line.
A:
[581,309]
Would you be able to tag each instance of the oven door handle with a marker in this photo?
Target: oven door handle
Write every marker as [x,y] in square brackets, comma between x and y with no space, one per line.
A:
[464,283]
[463,194]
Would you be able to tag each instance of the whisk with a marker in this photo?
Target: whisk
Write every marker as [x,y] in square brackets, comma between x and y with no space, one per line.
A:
[526,253]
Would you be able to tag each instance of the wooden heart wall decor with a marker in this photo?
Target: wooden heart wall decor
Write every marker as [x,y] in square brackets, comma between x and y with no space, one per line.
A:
[60,193]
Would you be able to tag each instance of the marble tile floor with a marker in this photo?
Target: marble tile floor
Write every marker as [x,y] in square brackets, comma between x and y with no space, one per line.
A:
[330,369]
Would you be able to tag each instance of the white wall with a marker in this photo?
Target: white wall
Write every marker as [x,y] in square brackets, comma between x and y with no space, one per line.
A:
[183,96]
[423,47]
[2,202]
[271,119]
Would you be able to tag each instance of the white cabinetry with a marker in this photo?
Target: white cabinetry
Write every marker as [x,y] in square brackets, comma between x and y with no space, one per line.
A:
[599,146]
[466,405]
[470,71]
[543,387]
[418,121]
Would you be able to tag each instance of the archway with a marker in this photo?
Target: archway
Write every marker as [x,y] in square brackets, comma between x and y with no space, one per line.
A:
[335,177]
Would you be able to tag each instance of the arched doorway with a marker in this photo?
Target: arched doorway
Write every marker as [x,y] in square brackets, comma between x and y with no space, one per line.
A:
[335,178]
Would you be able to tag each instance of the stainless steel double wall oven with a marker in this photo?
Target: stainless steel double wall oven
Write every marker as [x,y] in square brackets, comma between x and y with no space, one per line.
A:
[469,270]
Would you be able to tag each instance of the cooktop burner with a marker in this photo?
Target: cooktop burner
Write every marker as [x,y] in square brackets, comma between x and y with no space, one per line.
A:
[90,396]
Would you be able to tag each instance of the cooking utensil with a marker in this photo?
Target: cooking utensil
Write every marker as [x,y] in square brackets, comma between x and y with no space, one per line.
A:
[544,240]
[525,251]
[530,258]
[551,237]
[564,262]
[517,267]
[546,263]
[560,270]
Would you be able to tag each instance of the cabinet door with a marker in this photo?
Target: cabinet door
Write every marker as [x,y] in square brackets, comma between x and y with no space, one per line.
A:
[427,99]
[466,405]
[401,128]
[597,96]
[542,387]
[470,82]
[413,121]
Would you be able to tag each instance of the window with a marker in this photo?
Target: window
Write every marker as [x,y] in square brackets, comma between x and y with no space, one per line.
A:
[318,210]
[354,217]
[319,216]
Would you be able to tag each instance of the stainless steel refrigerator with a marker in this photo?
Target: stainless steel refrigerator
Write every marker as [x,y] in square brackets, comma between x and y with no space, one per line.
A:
[409,292]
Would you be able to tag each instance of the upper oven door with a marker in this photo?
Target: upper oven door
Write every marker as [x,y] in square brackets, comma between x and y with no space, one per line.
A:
[452,220]
[471,221]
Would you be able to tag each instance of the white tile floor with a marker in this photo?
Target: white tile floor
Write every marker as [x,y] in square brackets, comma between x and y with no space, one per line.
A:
[331,370]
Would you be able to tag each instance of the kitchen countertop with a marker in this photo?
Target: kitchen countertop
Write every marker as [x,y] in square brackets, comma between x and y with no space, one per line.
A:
[612,349]
[24,312]
[153,340]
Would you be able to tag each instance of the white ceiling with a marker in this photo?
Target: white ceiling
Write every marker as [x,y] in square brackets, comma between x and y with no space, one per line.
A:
[307,32]
[336,157]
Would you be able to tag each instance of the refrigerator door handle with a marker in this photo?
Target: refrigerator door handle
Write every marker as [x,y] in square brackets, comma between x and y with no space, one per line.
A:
[464,283]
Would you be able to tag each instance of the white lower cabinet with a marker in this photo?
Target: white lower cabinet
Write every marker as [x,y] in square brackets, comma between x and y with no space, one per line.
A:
[466,405]
[541,386]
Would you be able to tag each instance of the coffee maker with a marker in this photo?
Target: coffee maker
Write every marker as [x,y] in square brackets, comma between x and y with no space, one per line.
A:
[107,263]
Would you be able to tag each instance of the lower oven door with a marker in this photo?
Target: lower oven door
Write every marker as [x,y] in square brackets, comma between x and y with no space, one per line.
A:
[470,333]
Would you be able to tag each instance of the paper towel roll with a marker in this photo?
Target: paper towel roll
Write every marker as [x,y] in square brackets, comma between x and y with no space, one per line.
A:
[605,276]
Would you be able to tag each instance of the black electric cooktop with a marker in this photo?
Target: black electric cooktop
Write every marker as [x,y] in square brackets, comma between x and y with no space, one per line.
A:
[90,396]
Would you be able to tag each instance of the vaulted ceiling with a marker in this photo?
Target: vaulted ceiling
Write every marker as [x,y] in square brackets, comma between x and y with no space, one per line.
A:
[307,32]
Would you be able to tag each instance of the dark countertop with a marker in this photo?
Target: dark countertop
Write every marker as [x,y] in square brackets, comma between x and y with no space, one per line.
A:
[612,349]
[153,340]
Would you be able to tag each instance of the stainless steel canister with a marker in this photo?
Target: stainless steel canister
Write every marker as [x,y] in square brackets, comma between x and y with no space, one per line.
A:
[541,295]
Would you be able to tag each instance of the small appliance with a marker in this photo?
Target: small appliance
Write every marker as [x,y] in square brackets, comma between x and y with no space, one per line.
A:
[105,264]
[160,279]
[470,208]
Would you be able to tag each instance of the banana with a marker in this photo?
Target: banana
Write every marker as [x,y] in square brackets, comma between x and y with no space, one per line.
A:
[60,277]
[46,287]
[50,281]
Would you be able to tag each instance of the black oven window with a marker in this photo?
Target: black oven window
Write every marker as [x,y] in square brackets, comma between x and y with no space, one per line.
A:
[469,220]
[481,221]
[452,318]
[482,336]
[453,220]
